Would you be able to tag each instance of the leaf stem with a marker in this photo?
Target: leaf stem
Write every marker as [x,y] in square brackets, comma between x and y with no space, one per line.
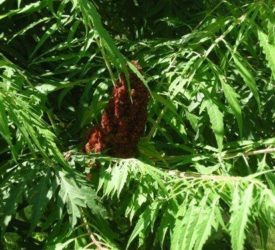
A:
[94,241]
[255,152]
[101,47]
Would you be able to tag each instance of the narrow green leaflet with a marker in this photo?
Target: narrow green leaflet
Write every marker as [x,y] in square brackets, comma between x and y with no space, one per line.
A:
[241,209]
[122,179]
[26,9]
[145,220]
[201,212]
[71,196]
[188,232]
[193,119]
[166,223]
[216,119]
[247,77]
[269,50]
[91,12]
[46,35]
[40,199]
[232,98]
[118,179]
[4,128]
[28,27]
[177,233]
[140,76]
[76,197]
[91,200]
[11,203]
[205,224]
[72,32]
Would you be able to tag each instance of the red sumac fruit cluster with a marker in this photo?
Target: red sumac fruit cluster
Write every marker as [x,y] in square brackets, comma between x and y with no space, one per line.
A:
[123,121]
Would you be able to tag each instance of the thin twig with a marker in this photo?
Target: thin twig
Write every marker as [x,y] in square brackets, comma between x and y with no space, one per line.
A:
[261,151]
[194,175]
[94,241]
[102,49]
[255,152]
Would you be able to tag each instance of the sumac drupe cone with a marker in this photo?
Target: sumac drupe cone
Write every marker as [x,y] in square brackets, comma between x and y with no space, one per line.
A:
[123,120]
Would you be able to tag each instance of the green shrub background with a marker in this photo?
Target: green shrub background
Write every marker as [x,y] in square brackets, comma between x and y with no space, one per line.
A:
[203,177]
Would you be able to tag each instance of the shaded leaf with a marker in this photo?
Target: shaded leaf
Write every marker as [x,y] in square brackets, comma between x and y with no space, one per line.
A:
[231,97]
[269,50]
[216,119]
[241,209]
[247,77]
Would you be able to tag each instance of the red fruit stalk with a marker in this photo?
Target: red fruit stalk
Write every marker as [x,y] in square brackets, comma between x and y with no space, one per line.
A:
[123,121]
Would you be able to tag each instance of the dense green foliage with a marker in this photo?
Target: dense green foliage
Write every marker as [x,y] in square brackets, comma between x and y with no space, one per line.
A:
[203,176]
